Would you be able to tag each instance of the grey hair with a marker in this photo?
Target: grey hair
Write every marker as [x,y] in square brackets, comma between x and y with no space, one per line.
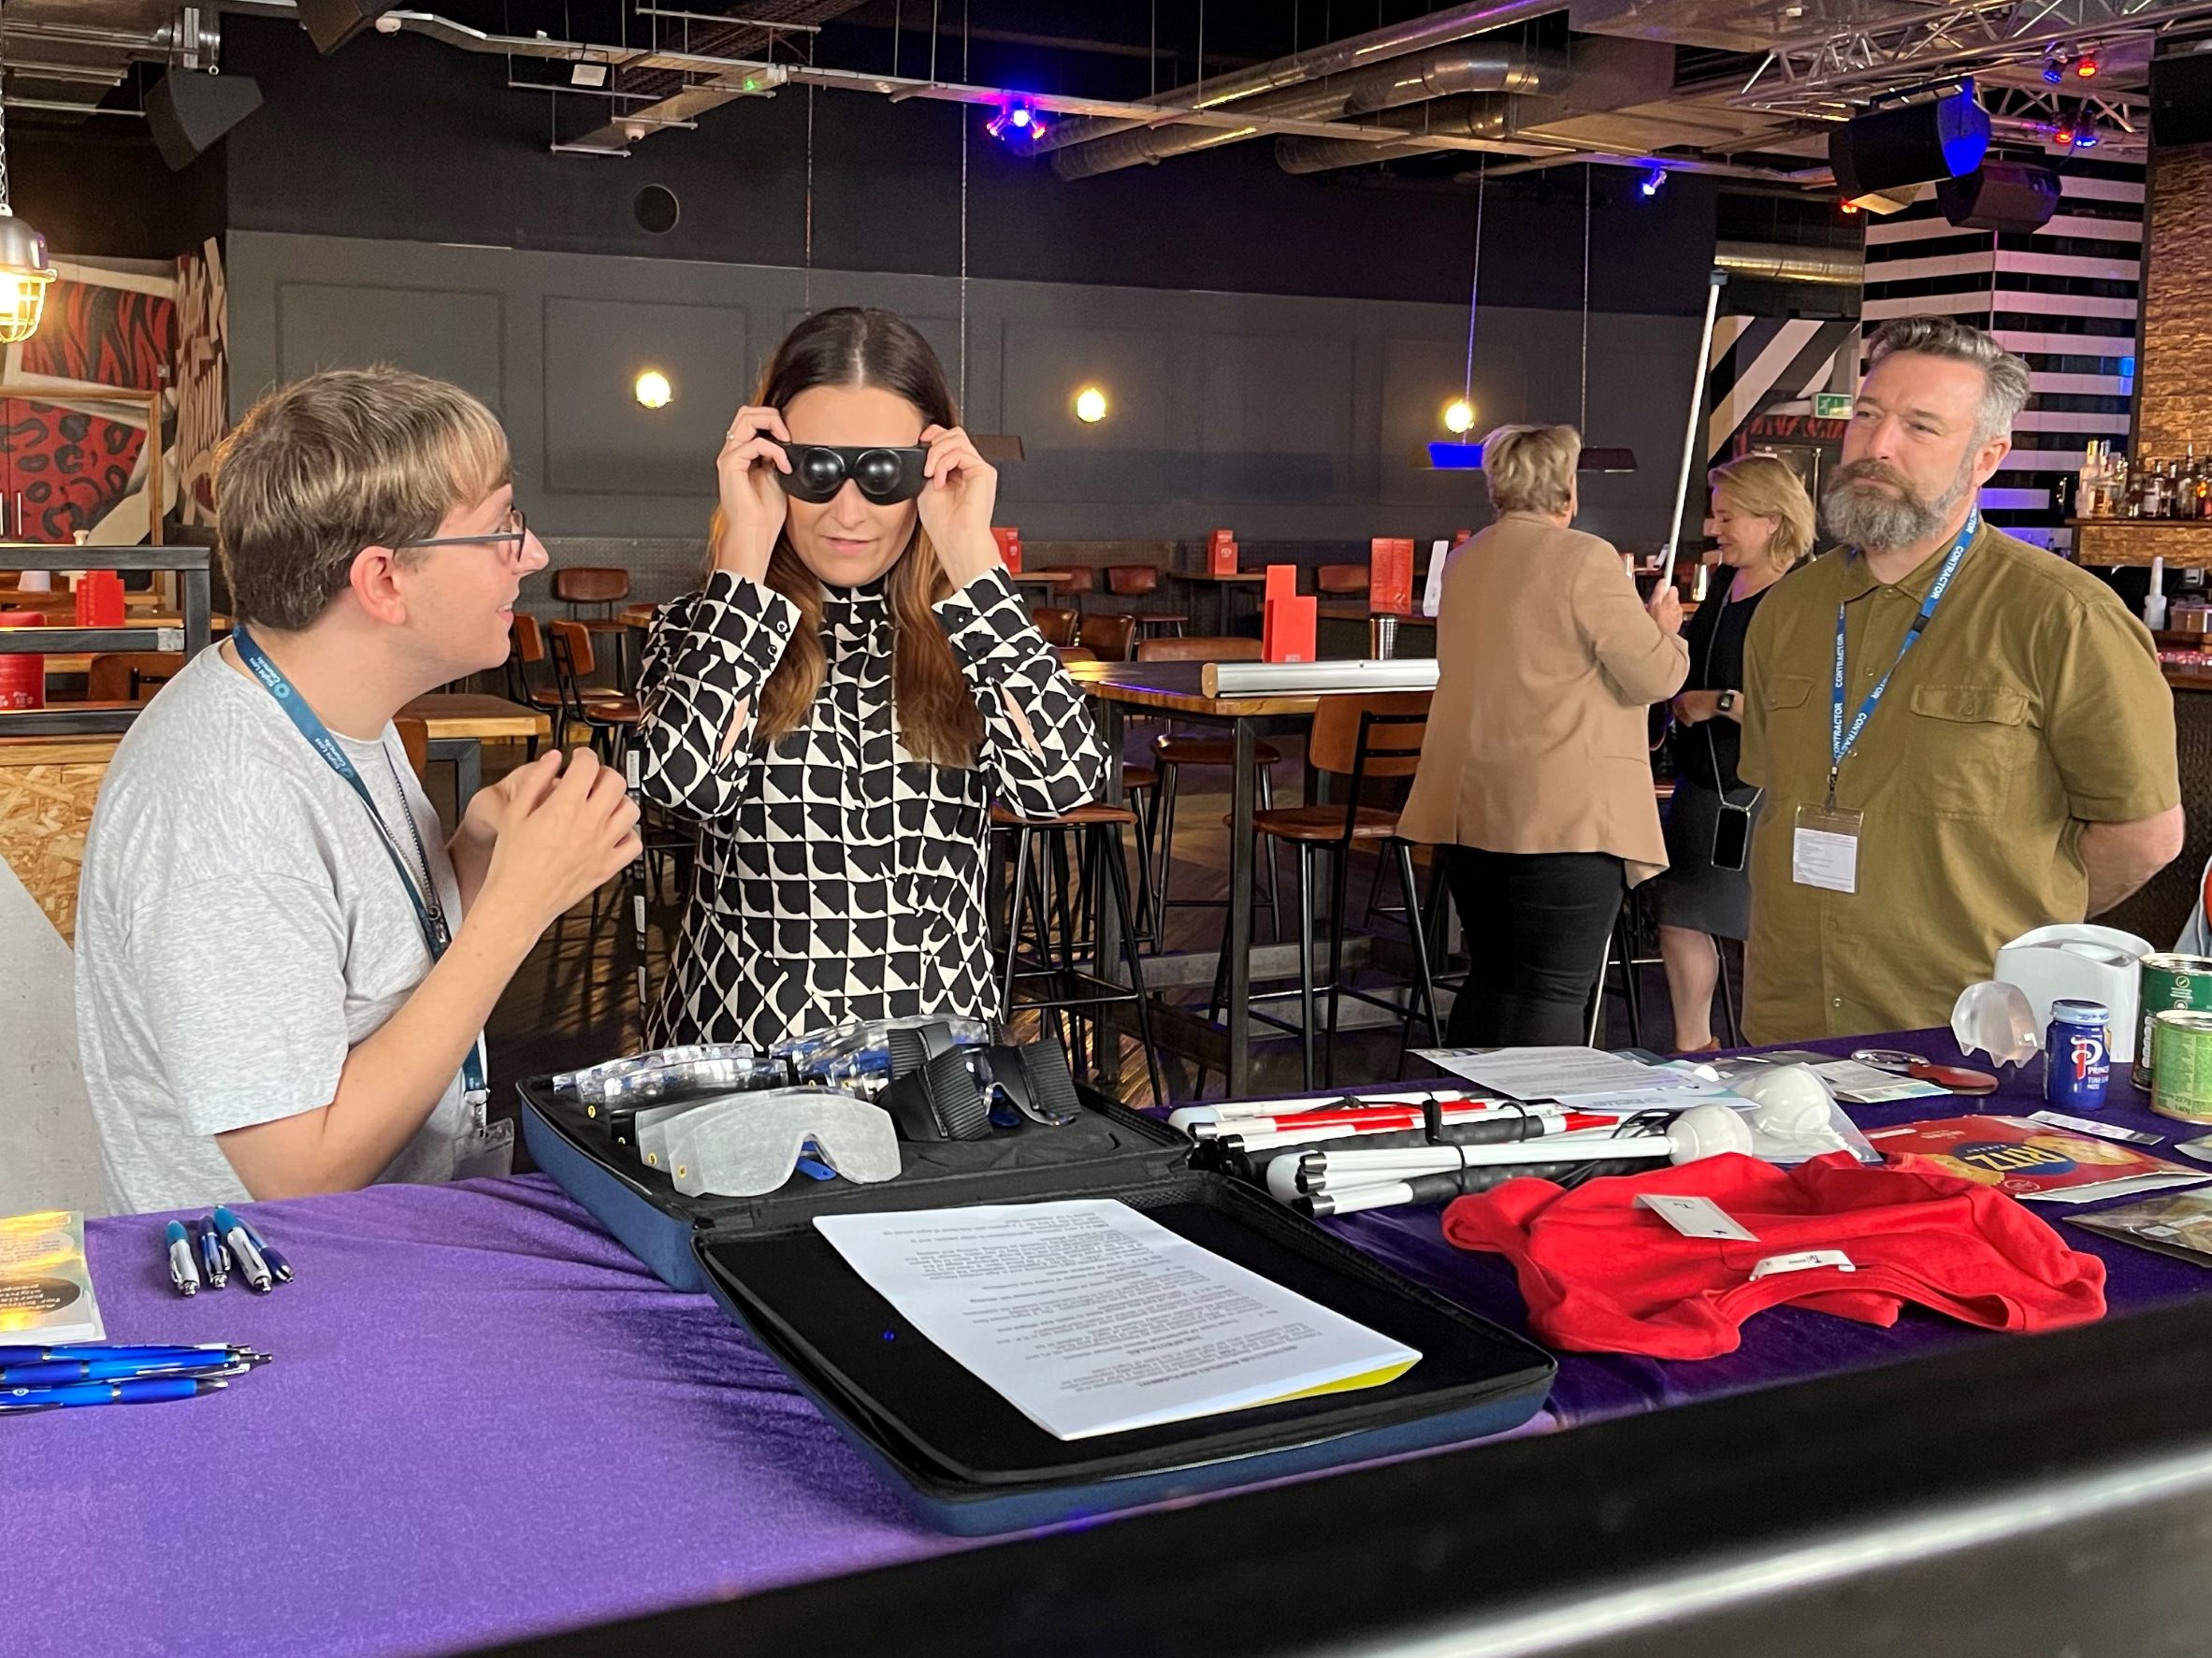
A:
[2004,374]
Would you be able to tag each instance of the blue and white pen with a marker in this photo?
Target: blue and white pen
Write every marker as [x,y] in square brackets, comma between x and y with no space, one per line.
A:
[147,1353]
[183,1273]
[250,1264]
[47,1373]
[277,1263]
[213,1260]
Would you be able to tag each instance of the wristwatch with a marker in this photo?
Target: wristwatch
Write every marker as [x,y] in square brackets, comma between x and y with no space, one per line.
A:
[1726,701]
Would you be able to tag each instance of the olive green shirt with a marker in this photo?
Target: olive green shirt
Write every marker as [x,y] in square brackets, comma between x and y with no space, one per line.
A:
[2031,704]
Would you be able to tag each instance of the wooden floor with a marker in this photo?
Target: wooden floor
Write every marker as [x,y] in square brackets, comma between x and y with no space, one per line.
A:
[574,1001]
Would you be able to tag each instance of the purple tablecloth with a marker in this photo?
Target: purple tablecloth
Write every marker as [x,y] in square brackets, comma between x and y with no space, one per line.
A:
[486,1419]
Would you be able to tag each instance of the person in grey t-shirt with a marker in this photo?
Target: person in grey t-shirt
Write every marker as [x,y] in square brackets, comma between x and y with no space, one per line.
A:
[258,1007]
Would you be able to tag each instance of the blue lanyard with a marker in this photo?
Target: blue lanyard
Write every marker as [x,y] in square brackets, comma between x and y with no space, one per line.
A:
[429,910]
[1842,742]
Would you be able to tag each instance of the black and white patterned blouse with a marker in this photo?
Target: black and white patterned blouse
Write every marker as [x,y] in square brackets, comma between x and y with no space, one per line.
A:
[840,877]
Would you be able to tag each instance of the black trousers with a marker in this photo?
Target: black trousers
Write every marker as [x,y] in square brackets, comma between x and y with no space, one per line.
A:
[1537,925]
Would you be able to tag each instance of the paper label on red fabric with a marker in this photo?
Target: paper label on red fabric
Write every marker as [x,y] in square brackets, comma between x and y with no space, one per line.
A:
[1803,1261]
[1695,1217]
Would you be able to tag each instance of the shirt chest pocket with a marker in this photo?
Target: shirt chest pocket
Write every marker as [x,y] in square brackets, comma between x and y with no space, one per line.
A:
[1966,745]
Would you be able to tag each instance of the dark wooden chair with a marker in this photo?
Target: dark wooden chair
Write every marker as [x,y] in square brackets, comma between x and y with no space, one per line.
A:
[130,676]
[1058,625]
[598,588]
[1342,581]
[1141,581]
[610,718]
[1112,638]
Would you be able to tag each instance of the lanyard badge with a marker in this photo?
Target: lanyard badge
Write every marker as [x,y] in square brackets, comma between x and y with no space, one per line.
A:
[429,909]
[1824,852]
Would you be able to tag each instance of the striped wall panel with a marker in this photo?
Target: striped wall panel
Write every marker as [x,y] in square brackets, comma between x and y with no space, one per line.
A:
[1758,363]
[2064,297]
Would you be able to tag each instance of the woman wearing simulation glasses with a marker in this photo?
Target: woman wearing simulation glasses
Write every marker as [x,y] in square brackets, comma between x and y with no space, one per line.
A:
[843,701]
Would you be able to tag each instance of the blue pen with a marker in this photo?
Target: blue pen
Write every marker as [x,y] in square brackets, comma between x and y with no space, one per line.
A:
[277,1263]
[250,1264]
[182,1273]
[154,1352]
[211,1259]
[51,1372]
[148,1391]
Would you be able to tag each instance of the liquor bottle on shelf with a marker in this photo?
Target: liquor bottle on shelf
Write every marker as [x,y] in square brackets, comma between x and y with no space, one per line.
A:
[2154,489]
[2089,483]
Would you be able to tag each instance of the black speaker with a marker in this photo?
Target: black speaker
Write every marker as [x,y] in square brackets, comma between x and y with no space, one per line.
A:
[2181,99]
[2001,195]
[1938,137]
[330,23]
[188,110]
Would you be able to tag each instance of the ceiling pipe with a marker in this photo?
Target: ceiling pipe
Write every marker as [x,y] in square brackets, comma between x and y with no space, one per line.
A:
[1474,117]
[1802,178]
[1457,68]
[1828,267]
[1335,57]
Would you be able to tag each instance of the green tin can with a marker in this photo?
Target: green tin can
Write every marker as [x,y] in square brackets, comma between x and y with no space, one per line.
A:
[2169,984]
[2182,1056]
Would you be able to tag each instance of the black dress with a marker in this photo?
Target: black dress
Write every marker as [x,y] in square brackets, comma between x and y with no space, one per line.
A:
[1693,893]
[839,877]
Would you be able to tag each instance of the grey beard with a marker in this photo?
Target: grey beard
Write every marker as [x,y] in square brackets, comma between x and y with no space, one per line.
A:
[1860,515]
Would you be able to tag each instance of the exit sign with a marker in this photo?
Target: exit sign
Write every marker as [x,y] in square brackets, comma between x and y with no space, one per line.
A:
[1831,406]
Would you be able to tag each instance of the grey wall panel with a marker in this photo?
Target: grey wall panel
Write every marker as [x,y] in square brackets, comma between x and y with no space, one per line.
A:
[599,439]
[1286,418]
[454,334]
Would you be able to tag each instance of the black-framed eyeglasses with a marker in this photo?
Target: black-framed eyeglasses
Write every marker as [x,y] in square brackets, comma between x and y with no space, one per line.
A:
[513,536]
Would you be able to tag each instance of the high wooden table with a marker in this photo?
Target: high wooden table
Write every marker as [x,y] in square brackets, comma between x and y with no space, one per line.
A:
[1178,688]
[153,626]
[459,723]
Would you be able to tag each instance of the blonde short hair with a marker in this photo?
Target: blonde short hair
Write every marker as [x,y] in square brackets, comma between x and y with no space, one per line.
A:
[1531,468]
[1763,487]
[342,460]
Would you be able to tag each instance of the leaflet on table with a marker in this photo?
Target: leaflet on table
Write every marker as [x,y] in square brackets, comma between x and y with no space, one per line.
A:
[2032,1161]
[1847,1080]
[1584,1077]
[2179,1225]
[45,1288]
[1090,1317]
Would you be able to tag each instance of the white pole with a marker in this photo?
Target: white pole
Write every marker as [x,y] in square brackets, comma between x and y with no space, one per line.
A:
[1689,436]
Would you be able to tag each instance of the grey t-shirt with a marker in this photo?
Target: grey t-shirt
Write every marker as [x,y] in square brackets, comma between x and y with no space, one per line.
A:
[239,928]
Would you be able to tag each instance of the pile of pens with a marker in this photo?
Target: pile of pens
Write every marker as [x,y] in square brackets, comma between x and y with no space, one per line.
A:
[55,1379]
[218,1244]
[1403,1147]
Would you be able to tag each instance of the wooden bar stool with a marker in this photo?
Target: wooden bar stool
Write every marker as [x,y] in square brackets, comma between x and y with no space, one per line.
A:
[1096,830]
[610,717]
[1111,639]
[1081,579]
[1176,750]
[1355,737]
[1141,581]
[526,650]
[600,589]
[1057,624]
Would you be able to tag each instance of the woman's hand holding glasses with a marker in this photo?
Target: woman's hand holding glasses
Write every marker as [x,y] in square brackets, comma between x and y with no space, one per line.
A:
[752,501]
[956,504]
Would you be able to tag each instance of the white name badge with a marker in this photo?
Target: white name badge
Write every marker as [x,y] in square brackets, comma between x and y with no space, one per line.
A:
[1825,850]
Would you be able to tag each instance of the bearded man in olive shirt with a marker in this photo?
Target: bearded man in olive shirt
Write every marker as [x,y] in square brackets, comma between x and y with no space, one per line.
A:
[2015,766]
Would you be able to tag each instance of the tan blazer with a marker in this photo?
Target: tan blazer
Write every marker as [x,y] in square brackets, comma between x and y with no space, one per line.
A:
[1546,662]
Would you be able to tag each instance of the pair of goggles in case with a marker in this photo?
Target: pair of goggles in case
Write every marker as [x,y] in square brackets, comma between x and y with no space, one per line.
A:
[749,1145]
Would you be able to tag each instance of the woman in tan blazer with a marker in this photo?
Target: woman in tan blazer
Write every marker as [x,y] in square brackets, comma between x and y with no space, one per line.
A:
[1536,766]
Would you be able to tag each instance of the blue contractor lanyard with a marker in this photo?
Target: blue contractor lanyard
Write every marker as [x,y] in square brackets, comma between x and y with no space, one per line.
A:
[429,910]
[1840,741]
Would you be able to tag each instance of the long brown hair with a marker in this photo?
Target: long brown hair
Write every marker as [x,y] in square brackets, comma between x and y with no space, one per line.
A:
[937,717]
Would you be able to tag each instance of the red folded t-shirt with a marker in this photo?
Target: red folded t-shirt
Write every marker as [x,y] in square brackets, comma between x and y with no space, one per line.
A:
[1603,1276]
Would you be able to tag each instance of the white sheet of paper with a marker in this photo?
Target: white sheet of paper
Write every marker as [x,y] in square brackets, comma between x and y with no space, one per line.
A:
[1090,1317]
[1829,862]
[1580,1074]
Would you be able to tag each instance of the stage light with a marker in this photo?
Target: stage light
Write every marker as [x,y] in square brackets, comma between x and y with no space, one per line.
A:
[1459,416]
[1090,405]
[2087,67]
[2053,65]
[1019,116]
[652,390]
[1653,180]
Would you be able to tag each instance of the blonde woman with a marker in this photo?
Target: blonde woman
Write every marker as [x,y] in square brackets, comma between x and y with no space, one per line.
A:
[1763,520]
[1535,768]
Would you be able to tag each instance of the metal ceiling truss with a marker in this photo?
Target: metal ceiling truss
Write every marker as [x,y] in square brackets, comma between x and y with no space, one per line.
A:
[1825,73]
